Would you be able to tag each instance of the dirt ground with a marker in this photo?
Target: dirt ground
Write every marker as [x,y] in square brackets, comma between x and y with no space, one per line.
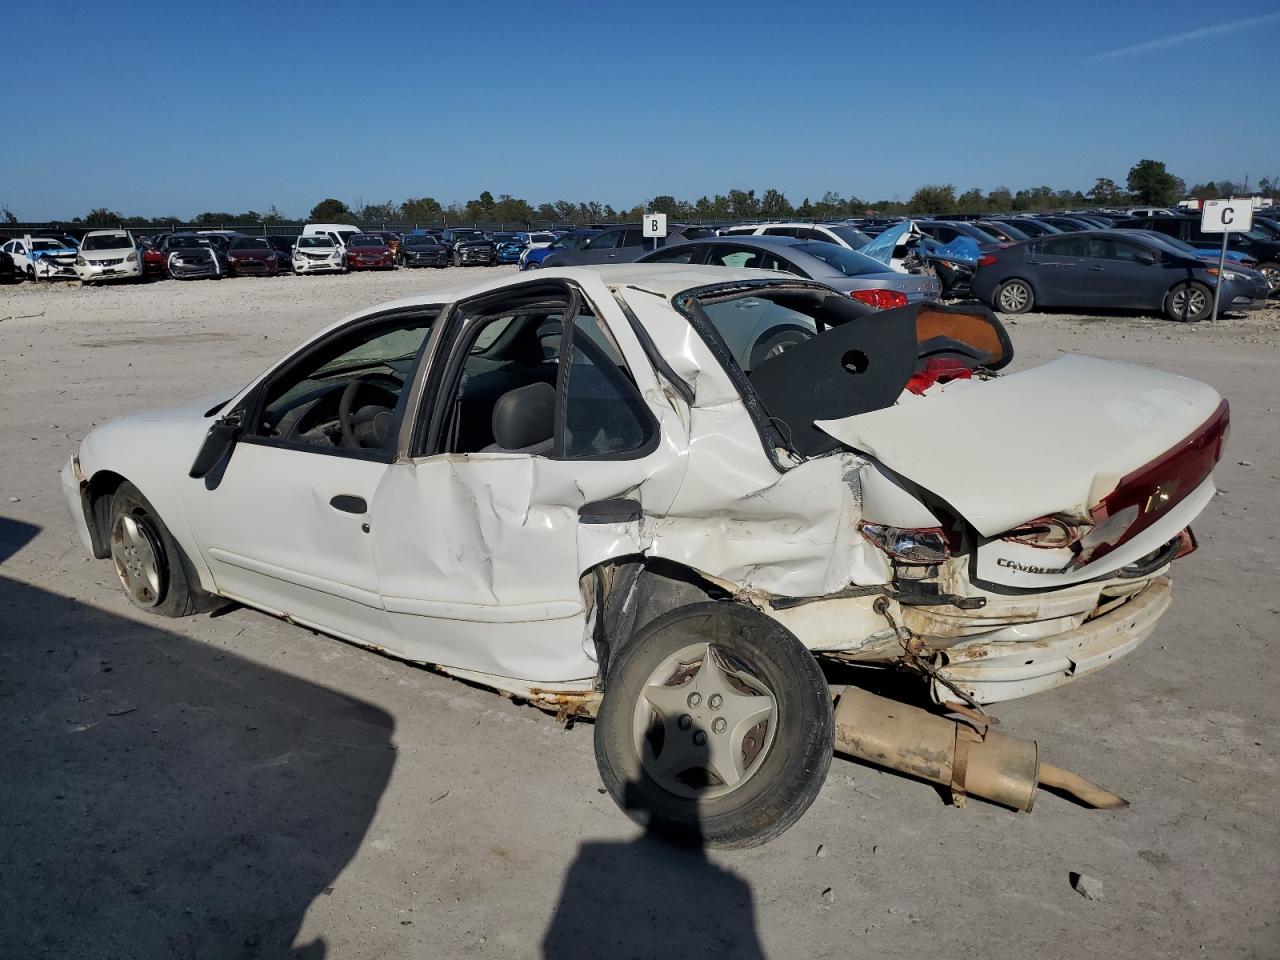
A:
[234,786]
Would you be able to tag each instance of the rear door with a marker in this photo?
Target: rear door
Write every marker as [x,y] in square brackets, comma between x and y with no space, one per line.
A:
[481,538]
[1061,273]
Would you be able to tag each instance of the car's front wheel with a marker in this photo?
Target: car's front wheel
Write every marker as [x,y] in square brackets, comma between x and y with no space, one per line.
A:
[1271,271]
[1014,296]
[715,728]
[155,573]
[1189,302]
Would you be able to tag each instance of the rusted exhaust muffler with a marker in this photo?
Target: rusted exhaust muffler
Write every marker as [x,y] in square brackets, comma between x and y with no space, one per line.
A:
[968,757]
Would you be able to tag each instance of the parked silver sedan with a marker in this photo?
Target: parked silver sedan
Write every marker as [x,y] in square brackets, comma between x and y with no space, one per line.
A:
[865,279]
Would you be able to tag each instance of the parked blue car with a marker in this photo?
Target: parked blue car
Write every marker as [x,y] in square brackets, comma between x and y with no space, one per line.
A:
[509,250]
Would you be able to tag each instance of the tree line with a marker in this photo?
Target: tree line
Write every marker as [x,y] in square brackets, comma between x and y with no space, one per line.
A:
[1148,183]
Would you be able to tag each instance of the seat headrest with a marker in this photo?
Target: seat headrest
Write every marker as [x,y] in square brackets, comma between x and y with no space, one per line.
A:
[525,416]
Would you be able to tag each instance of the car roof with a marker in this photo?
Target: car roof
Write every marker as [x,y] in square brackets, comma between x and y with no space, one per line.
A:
[663,279]
[749,238]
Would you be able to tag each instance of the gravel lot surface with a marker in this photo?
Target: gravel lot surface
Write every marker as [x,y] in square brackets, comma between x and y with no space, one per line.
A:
[234,786]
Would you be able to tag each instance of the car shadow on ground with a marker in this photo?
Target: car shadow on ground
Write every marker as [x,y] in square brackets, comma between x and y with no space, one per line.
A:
[162,797]
[649,897]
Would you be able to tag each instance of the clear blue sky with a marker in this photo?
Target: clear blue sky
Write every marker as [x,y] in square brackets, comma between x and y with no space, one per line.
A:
[163,108]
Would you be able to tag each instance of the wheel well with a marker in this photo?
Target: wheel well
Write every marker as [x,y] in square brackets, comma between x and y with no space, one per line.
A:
[627,593]
[102,487]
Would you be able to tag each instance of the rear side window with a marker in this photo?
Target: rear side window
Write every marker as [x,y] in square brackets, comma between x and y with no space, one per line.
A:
[782,232]
[1066,245]
[604,415]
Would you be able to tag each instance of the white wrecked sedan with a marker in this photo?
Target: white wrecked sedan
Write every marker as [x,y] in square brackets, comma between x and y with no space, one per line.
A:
[657,495]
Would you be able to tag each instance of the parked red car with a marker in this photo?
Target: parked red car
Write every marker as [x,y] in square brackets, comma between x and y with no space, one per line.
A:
[251,255]
[366,251]
[154,263]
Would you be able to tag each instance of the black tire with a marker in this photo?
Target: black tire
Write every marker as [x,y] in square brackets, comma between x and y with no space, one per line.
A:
[778,340]
[1189,302]
[1013,297]
[175,591]
[778,787]
[533,265]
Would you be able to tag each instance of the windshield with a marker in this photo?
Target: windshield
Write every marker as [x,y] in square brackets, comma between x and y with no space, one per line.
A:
[853,237]
[365,240]
[188,243]
[109,241]
[314,242]
[249,243]
[468,234]
[46,245]
[541,237]
[848,262]
[1172,244]
[421,241]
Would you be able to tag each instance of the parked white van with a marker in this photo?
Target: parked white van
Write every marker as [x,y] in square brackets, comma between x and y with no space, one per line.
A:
[340,233]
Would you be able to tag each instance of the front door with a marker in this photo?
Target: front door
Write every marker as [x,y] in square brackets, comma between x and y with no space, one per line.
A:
[531,469]
[283,524]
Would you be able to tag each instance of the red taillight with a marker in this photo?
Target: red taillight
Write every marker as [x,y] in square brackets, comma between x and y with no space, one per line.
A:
[1186,544]
[880,299]
[987,259]
[1141,498]
[938,370]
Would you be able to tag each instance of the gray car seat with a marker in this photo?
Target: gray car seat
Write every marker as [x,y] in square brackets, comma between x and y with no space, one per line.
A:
[524,421]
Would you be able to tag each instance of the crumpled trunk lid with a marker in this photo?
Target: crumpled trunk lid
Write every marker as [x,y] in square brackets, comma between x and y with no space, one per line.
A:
[1055,440]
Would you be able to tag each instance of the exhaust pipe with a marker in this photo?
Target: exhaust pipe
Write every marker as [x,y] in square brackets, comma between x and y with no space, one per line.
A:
[966,757]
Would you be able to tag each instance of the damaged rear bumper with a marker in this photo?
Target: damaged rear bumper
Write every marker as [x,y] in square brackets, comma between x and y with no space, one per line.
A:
[1001,669]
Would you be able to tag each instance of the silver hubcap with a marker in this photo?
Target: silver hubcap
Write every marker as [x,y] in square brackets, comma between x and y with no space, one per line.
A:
[702,725]
[1189,301]
[1273,277]
[137,560]
[1014,297]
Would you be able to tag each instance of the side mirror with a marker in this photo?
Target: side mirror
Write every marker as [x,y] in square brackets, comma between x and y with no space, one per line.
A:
[1146,257]
[218,443]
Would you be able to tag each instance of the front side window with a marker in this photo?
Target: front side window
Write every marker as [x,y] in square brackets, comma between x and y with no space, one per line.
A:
[345,394]
[604,241]
[1109,248]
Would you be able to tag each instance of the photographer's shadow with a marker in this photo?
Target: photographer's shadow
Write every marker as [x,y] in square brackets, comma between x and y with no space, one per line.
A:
[651,898]
[162,796]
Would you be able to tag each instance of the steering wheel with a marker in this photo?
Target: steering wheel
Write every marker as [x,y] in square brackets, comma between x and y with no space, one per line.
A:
[346,420]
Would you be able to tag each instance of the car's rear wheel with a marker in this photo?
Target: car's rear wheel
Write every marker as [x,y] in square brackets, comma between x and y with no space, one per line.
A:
[154,572]
[716,727]
[1014,296]
[1189,302]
